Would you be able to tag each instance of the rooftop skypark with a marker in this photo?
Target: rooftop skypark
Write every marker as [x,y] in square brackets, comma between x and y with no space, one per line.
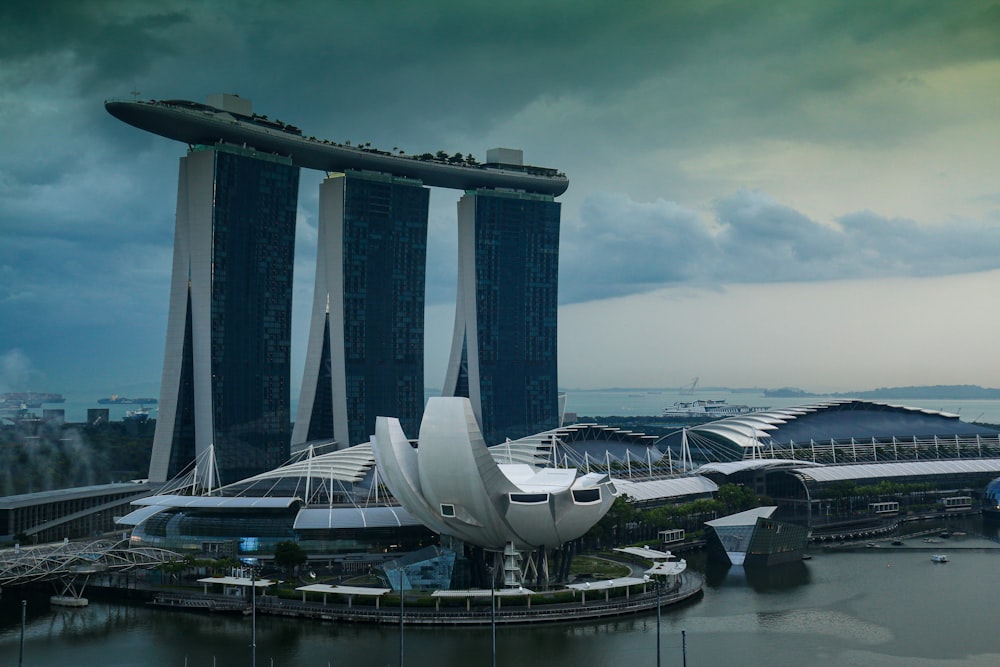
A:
[230,119]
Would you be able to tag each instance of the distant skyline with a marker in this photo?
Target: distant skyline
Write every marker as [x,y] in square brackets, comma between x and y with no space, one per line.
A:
[761,194]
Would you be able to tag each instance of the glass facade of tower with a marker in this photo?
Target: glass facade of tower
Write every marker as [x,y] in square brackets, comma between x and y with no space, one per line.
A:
[242,301]
[385,257]
[366,340]
[253,252]
[516,292]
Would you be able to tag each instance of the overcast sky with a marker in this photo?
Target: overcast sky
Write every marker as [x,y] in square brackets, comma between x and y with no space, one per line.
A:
[761,193]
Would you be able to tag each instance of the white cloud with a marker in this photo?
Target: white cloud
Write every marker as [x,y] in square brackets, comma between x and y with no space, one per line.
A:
[845,335]
[618,246]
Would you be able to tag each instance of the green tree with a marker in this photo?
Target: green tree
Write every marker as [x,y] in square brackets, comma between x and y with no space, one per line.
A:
[289,555]
[737,497]
[612,524]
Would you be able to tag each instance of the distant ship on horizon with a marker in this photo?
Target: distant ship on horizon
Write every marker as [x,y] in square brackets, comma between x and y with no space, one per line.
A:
[115,399]
[30,399]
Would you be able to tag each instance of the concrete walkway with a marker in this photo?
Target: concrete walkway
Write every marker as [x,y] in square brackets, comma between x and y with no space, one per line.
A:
[637,602]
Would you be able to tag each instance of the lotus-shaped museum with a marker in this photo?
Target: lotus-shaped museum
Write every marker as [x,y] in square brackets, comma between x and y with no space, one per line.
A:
[453,485]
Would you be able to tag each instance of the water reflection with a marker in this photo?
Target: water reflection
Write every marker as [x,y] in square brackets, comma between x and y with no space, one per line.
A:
[881,607]
[778,578]
[991,527]
[760,578]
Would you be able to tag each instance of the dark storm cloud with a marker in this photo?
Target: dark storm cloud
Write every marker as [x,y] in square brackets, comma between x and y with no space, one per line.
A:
[609,92]
[621,247]
[419,73]
[106,39]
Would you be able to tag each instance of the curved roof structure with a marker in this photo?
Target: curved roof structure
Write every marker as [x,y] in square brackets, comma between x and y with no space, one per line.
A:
[196,123]
[311,518]
[897,469]
[307,486]
[731,467]
[577,443]
[345,465]
[840,420]
[659,489]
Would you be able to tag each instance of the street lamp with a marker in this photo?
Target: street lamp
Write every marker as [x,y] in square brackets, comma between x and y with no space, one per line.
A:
[24,615]
[656,583]
[493,614]
[401,616]
[253,614]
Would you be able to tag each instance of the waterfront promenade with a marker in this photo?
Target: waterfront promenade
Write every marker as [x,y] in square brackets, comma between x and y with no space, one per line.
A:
[598,605]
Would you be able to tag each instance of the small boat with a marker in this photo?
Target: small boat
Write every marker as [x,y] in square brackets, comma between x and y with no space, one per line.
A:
[897,543]
[141,415]
[939,558]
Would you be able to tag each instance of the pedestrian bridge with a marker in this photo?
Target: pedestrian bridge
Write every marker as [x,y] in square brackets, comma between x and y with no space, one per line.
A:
[68,560]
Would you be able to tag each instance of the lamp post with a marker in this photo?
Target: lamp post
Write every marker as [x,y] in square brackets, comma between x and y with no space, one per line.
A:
[493,614]
[401,573]
[657,582]
[253,617]
[24,613]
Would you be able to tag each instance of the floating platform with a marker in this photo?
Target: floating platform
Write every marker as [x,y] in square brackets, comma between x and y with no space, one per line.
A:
[67,601]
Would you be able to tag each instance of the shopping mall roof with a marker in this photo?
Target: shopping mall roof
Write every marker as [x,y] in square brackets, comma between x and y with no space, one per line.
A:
[898,469]
[576,444]
[674,487]
[840,420]
[75,493]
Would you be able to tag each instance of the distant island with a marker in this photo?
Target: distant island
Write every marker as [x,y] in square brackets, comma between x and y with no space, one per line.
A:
[930,392]
[937,391]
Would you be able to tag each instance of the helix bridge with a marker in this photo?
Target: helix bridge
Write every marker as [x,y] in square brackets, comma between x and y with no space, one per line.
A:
[70,565]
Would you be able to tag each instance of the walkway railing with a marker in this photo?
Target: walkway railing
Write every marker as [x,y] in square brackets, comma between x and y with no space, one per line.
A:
[690,586]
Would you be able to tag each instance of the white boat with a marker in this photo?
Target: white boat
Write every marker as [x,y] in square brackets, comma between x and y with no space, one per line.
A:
[140,414]
[709,408]
[939,558]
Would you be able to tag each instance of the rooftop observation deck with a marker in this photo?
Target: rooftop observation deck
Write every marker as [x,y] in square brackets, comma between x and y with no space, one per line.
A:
[196,123]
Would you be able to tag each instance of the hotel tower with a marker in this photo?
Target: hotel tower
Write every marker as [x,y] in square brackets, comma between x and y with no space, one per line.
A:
[503,354]
[226,369]
[366,340]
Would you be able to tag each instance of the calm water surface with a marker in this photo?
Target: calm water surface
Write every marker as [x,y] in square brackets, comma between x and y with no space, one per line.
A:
[877,606]
[594,403]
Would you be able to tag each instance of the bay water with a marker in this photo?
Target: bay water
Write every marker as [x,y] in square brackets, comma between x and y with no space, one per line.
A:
[882,606]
